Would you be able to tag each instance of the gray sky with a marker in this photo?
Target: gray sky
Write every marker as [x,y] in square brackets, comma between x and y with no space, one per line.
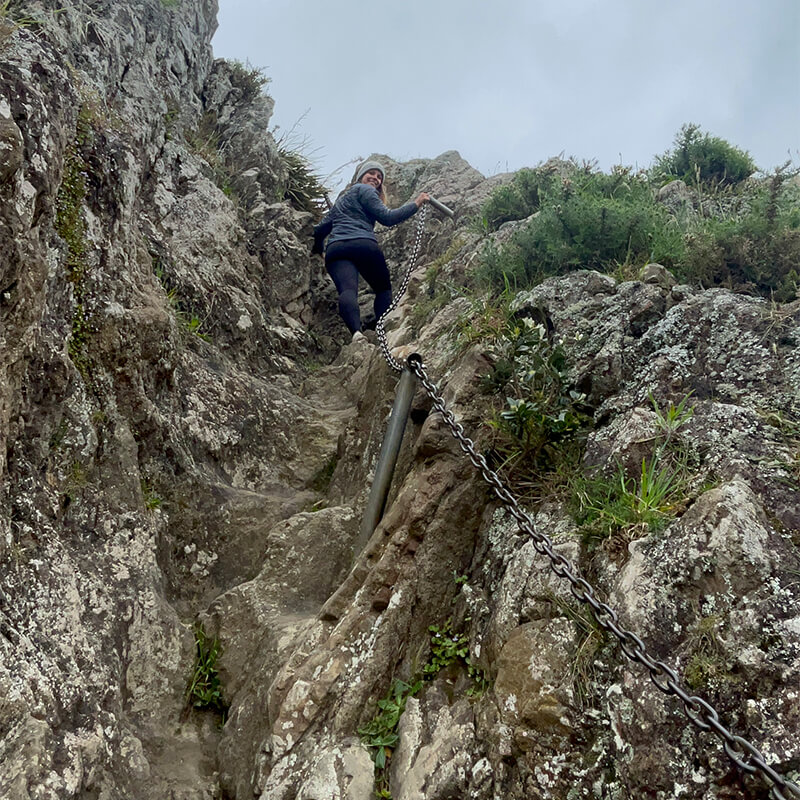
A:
[509,83]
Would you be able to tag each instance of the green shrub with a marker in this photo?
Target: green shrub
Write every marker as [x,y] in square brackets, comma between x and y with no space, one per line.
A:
[539,431]
[586,220]
[522,197]
[757,249]
[746,236]
[248,79]
[699,158]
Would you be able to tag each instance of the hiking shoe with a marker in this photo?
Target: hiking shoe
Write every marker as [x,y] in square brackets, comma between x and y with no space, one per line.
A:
[358,337]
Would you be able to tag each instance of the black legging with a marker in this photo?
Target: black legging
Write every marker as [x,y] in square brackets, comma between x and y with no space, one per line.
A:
[345,260]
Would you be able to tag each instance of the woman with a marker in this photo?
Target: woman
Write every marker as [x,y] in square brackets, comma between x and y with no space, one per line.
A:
[353,249]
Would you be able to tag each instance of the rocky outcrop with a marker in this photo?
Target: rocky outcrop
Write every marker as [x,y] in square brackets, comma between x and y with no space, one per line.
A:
[185,440]
[145,352]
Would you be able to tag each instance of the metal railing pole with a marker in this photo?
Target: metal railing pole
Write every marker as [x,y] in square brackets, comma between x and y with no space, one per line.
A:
[387,458]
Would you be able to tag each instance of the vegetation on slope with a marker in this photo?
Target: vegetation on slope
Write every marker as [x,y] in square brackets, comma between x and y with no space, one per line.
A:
[723,228]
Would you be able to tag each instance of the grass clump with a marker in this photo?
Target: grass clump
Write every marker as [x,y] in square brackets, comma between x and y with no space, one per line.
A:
[707,667]
[303,187]
[12,18]
[590,641]
[612,511]
[628,507]
[205,688]
[436,293]
[186,316]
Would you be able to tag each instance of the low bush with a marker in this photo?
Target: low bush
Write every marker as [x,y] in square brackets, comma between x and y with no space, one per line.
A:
[703,160]
[586,220]
[249,80]
[539,429]
[744,234]
[756,250]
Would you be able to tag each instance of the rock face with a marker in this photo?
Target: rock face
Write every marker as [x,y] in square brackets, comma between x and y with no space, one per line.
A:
[185,441]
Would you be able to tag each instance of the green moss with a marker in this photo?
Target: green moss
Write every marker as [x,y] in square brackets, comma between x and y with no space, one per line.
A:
[322,479]
[707,667]
[71,227]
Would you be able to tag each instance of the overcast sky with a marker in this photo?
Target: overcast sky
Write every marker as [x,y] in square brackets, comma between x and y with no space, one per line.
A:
[509,83]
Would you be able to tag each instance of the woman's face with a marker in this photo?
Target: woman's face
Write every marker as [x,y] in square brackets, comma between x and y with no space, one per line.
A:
[373,177]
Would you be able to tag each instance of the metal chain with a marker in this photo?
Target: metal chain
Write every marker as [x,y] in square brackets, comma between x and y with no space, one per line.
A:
[744,754]
[702,715]
[379,328]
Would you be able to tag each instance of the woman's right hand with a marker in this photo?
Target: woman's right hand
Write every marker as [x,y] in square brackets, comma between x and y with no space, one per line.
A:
[424,197]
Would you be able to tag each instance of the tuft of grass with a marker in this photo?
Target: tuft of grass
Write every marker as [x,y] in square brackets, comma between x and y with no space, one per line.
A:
[630,507]
[13,18]
[187,318]
[205,688]
[591,641]
[673,417]
[303,187]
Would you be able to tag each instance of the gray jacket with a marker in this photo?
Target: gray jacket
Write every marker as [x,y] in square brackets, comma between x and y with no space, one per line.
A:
[355,213]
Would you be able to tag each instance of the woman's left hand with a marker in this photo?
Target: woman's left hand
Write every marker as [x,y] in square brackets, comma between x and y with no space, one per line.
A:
[424,197]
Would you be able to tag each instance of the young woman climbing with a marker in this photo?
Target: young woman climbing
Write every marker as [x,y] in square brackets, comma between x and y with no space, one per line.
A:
[352,248]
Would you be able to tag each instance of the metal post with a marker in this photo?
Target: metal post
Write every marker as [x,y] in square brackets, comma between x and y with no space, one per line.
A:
[387,459]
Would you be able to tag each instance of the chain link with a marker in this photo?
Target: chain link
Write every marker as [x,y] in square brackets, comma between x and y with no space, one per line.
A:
[743,754]
[702,715]
[379,328]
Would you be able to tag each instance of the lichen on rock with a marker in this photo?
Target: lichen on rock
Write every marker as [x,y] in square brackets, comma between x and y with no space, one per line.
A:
[186,439]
